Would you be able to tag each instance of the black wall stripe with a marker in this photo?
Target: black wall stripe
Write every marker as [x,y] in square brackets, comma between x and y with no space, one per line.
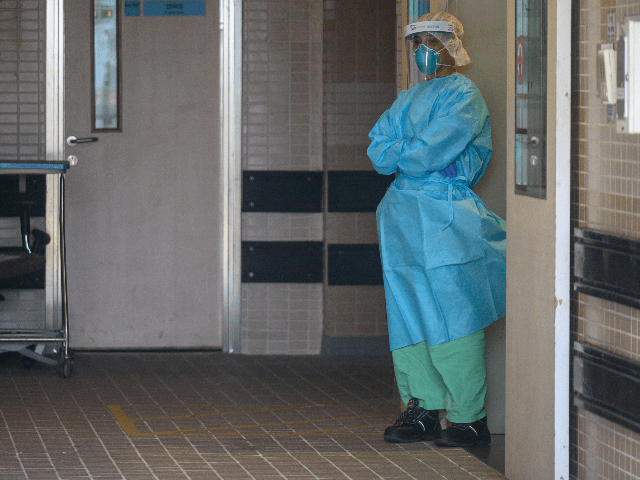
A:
[608,267]
[275,191]
[354,265]
[282,262]
[356,191]
[607,385]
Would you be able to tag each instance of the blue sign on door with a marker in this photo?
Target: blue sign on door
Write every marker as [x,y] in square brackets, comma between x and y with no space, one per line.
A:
[161,8]
[131,8]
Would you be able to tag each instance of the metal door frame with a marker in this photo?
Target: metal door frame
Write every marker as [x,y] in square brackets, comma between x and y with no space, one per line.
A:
[54,151]
[231,162]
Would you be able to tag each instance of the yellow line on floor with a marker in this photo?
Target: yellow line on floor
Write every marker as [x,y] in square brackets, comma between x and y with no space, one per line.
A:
[125,423]
[230,412]
[235,427]
[130,429]
[222,405]
[208,432]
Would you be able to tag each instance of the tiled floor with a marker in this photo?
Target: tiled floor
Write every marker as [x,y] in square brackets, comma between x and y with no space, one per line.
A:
[199,415]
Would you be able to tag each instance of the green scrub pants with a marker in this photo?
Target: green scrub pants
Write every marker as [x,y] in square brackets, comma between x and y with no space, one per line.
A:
[450,376]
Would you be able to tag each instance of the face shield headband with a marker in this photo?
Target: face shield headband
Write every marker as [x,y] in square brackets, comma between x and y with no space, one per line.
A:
[427,27]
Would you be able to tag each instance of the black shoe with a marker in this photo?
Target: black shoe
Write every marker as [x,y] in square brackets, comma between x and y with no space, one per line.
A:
[474,434]
[415,424]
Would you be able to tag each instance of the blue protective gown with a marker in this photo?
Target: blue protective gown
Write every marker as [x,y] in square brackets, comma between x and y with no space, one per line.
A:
[443,252]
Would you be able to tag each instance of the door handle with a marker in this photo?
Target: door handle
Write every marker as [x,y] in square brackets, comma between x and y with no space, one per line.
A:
[71,141]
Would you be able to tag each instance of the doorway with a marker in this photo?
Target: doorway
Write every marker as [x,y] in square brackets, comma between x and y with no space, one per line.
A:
[145,216]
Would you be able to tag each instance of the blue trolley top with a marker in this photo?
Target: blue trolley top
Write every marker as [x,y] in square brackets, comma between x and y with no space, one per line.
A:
[22,167]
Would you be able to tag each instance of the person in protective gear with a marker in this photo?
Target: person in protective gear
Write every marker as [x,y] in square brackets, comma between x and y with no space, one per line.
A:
[442,250]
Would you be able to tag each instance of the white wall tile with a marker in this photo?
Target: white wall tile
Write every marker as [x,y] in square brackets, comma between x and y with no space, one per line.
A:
[282,226]
[21,71]
[281,318]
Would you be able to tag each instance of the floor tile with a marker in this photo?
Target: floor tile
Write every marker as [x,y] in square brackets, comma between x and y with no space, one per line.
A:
[207,415]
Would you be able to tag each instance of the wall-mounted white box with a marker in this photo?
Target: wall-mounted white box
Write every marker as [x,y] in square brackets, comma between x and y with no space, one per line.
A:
[628,94]
[607,74]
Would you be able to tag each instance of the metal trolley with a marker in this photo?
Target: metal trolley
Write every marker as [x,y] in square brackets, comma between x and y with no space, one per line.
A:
[15,262]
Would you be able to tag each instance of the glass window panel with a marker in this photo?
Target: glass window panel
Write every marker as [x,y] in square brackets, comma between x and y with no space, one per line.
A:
[531,98]
[106,70]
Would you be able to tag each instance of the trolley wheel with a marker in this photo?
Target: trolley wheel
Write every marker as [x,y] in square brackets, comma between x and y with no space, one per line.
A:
[64,369]
[28,362]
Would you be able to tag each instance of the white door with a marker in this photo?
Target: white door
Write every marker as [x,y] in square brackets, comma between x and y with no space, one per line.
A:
[144,204]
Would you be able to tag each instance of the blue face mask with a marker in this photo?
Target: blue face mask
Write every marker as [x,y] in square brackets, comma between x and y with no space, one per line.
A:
[427,59]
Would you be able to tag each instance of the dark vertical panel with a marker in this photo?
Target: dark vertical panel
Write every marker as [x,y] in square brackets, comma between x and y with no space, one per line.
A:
[607,385]
[354,265]
[608,267]
[277,191]
[282,262]
[356,191]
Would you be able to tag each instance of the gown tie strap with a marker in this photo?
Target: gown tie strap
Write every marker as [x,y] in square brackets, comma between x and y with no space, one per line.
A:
[461,182]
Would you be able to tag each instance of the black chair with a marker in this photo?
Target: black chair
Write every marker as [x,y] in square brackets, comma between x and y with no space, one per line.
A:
[23,267]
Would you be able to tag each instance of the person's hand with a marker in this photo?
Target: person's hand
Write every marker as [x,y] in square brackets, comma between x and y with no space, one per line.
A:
[450,172]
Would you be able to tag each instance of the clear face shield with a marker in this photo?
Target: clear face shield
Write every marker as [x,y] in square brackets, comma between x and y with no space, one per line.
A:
[422,57]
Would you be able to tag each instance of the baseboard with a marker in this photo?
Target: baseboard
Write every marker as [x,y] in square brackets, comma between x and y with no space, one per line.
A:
[358,346]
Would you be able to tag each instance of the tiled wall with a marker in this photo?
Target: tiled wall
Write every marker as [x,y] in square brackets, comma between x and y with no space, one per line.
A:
[22,91]
[317,75]
[22,129]
[400,78]
[22,83]
[359,85]
[606,198]
[282,130]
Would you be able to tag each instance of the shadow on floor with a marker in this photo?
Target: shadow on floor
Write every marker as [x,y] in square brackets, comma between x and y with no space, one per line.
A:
[493,455]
